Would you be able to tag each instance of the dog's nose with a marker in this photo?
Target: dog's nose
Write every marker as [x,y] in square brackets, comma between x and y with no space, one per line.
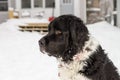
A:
[42,42]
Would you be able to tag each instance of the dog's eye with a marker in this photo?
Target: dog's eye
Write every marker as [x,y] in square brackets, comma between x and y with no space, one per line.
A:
[58,32]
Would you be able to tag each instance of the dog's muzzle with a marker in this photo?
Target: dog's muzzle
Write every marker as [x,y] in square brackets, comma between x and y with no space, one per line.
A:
[42,45]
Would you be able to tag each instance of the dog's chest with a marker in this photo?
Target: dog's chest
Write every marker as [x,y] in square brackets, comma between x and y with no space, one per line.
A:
[70,71]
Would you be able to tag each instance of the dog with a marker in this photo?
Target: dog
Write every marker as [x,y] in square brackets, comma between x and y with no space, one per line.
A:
[80,55]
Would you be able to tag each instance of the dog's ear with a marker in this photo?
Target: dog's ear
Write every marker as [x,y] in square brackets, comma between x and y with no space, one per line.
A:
[78,33]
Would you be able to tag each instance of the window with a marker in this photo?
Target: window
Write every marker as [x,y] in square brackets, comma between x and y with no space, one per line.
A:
[38,3]
[67,1]
[115,5]
[26,3]
[49,3]
[3,5]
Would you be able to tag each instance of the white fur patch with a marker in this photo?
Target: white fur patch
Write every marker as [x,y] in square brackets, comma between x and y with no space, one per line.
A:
[70,71]
[92,44]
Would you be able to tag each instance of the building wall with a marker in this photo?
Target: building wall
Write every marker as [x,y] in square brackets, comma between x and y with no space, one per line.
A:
[57,9]
[12,3]
[3,13]
[79,9]
[118,13]
[3,16]
[33,11]
[82,9]
[18,4]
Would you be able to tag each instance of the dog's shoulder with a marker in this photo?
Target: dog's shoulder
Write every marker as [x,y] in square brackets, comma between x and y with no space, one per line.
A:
[98,64]
[92,63]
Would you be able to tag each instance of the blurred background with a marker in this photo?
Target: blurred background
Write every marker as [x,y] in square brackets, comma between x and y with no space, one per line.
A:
[24,22]
[90,11]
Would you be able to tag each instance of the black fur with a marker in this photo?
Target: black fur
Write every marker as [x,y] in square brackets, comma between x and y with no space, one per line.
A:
[66,37]
[69,42]
[99,67]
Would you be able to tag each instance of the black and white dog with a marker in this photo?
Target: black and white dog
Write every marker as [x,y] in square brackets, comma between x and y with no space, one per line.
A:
[80,56]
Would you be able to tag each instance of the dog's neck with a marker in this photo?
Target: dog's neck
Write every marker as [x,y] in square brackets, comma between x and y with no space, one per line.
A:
[88,49]
[79,60]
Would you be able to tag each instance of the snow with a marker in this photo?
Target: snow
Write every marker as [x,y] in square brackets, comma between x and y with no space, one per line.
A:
[20,58]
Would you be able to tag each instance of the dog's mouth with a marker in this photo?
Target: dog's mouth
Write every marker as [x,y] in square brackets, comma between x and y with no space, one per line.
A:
[42,49]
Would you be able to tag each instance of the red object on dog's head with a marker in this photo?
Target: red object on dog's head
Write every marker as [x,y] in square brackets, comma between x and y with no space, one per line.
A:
[51,18]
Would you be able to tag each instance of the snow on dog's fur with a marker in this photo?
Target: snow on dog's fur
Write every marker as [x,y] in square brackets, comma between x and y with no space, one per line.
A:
[80,56]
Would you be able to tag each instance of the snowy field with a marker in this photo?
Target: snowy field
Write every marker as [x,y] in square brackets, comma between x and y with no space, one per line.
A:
[20,58]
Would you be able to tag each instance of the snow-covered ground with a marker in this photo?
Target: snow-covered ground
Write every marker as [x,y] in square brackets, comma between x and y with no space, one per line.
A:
[20,58]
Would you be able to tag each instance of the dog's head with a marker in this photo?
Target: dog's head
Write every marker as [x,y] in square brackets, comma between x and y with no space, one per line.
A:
[66,37]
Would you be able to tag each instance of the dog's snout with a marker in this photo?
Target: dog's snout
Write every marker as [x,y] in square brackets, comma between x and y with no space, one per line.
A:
[42,42]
